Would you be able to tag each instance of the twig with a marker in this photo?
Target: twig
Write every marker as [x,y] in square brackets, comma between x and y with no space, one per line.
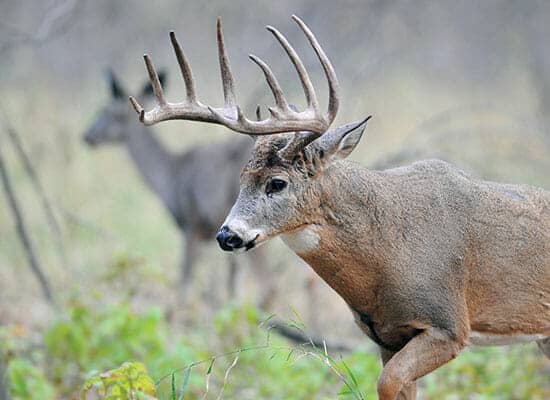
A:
[37,185]
[50,23]
[48,27]
[226,377]
[308,348]
[22,232]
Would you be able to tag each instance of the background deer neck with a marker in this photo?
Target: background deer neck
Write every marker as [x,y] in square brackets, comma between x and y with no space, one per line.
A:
[154,163]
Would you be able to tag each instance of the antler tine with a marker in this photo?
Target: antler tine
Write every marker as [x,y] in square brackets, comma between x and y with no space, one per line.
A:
[282,118]
[155,82]
[185,69]
[225,69]
[139,109]
[297,143]
[280,100]
[333,85]
[311,97]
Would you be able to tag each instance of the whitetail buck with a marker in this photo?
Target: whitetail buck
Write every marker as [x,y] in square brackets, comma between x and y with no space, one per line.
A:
[197,187]
[428,258]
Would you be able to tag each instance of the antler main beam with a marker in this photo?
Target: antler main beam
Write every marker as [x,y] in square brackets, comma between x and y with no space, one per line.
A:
[283,118]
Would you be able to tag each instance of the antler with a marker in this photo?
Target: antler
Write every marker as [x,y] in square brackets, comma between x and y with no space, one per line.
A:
[283,117]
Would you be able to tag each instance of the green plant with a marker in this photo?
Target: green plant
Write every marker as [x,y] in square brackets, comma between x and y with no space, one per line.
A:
[129,381]
[491,373]
[235,359]
[262,366]
[26,382]
[90,340]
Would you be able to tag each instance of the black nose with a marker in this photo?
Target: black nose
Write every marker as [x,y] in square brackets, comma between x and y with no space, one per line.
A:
[228,240]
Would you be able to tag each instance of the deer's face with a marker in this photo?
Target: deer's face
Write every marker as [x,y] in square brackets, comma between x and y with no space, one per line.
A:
[281,196]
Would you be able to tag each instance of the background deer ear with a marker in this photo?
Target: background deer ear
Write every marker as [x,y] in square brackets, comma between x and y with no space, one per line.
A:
[114,85]
[340,142]
[148,88]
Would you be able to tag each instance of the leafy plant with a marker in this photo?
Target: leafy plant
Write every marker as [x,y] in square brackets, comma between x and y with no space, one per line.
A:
[98,340]
[236,359]
[26,382]
[129,381]
[492,373]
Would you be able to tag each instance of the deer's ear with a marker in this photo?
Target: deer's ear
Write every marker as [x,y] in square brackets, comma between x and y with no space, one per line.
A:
[147,89]
[117,92]
[340,142]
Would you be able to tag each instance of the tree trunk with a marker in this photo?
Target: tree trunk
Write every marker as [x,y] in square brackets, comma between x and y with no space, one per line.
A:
[22,232]
[39,189]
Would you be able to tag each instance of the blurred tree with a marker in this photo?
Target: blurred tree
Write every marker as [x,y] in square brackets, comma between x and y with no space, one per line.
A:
[37,185]
[3,386]
[22,232]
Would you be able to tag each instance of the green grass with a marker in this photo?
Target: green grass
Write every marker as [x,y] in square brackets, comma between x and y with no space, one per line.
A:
[123,250]
[237,358]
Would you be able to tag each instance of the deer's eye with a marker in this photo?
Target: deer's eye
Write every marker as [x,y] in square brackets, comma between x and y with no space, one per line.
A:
[274,185]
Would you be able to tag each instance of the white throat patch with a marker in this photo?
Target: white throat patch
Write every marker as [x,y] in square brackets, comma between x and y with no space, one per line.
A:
[302,241]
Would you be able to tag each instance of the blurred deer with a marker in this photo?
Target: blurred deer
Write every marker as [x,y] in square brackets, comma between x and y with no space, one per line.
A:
[428,258]
[197,187]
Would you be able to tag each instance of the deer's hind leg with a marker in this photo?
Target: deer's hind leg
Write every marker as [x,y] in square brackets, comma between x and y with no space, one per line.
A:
[544,346]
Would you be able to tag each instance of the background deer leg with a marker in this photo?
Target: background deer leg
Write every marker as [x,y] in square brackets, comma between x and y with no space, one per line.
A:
[544,346]
[313,300]
[423,354]
[232,278]
[264,277]
[409,391]
[190,248]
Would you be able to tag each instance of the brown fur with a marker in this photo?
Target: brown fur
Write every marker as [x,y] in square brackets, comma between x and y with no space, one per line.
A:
[423,254]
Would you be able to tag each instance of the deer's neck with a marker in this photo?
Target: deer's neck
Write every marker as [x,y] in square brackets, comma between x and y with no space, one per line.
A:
[344,244]
[154,163]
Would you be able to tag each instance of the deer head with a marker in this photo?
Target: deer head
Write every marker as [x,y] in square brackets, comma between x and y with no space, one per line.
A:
[111,123]
[281,191]
[279,188]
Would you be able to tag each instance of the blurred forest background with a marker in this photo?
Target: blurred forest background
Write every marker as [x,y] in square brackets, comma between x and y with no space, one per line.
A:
[464,81]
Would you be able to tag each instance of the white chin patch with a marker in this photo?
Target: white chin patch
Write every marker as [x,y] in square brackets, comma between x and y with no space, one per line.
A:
[302,241]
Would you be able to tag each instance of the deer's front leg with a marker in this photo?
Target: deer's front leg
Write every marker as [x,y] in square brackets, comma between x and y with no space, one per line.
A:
[408,392]
[421,355]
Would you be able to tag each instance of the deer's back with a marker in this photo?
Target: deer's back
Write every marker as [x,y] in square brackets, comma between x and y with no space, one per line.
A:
[495,236]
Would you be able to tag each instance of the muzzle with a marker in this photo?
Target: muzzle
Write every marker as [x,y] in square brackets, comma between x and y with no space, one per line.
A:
[230,241]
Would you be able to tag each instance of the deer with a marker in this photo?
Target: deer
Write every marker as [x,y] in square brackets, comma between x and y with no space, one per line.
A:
[429,259]
[196,197]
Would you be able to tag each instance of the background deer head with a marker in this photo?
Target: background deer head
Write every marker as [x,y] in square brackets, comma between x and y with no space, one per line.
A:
[112,122]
